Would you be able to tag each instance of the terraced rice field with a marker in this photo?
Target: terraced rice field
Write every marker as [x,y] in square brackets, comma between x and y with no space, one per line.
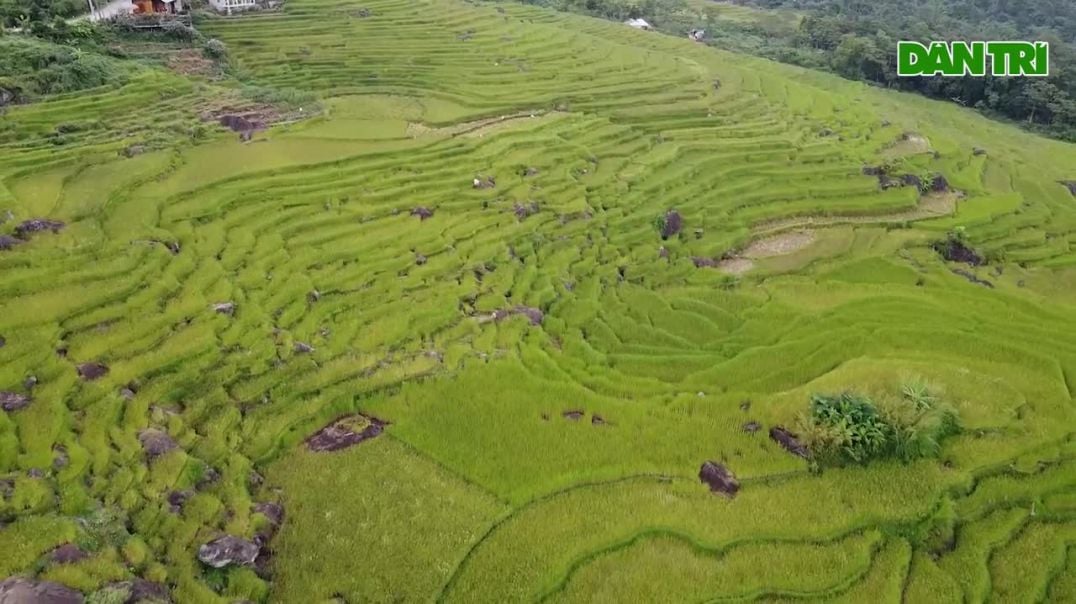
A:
[552,372]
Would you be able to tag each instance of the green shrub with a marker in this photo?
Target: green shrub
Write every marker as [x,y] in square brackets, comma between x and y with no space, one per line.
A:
[852,428]
[215,49]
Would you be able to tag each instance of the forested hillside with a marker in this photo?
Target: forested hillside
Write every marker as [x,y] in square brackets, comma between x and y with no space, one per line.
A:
[857,39]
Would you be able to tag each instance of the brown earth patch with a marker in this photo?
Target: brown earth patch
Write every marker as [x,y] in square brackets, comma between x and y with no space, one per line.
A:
[778,245]
[192,62]
[735,266]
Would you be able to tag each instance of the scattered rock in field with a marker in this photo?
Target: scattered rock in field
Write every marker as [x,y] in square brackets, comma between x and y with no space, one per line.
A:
[13,401]
[534,315]
[598,420]
[345,432]
[422,213]
[663,253]
[60,458]
[978,151]
[954,250]
[487,182]
[524,210]
[873,170]
[745,405]
[885,123]
[241,124]
[8,96]
[362,13]
[127,394]
[140,591]
[37,225]
[671,224]
[156,442]
[530,171]
[272,511]
[18,590]
[303,347]
[420,259]
[752,427]
[177,499]
[911,180]
[61,351]
[29,382]
[972,278]
[313,296]
[826,132]
[209,477]
[719,478]
[789,441]
[171,246]
[133,150]
[8,242]
[91,371]
[701,262]
[67,554]
[1069,184]
[939,184]
[228,550]
[224,308]
[573,415]
[35,473]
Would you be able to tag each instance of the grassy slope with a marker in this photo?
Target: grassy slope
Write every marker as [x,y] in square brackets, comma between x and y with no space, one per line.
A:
[506,499]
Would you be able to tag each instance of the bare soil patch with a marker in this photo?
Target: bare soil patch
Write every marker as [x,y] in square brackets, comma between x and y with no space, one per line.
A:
[778,245]
[192,62]
[909,143]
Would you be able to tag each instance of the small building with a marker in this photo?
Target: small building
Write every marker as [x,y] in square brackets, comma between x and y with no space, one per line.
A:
[642,24]
[227,6]
[157,7]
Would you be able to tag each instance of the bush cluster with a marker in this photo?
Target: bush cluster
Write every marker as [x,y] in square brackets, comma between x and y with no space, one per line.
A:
[851,428]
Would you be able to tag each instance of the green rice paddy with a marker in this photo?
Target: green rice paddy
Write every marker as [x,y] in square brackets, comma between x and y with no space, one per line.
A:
[480,489]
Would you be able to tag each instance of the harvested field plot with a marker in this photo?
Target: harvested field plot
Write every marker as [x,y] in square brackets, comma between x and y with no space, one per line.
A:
[530,310]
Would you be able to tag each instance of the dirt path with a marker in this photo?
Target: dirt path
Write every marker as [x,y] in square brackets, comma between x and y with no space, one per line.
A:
[933,205]
[775,239]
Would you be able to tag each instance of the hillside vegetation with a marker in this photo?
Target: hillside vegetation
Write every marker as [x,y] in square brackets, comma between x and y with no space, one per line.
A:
[605,315]
[858,40]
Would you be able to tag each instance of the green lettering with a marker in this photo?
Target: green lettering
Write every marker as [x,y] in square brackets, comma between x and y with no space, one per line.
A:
[911,57]
[969,59]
